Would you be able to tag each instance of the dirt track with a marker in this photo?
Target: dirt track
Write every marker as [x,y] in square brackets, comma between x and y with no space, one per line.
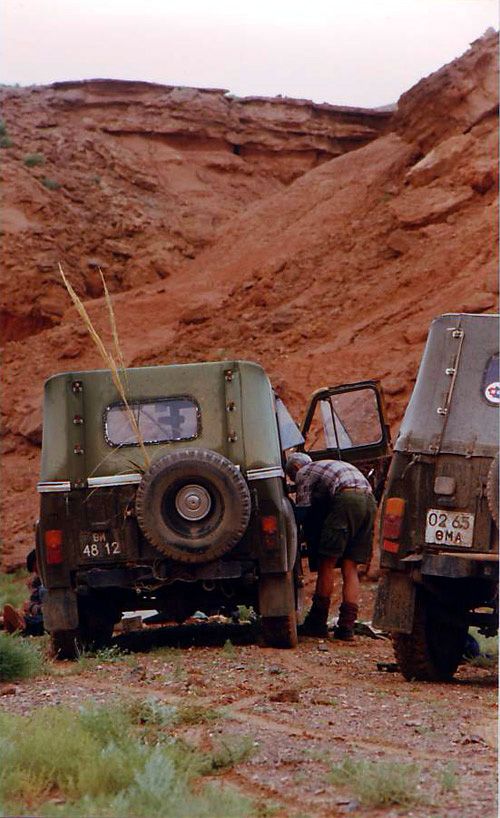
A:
[306,710]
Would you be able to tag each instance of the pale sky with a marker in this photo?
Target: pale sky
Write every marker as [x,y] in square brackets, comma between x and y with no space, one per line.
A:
[346,52]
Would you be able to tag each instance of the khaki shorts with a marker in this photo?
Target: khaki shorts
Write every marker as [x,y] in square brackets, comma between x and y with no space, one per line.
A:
[348,527]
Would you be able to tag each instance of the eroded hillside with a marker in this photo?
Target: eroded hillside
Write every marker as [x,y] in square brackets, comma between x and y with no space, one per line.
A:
[275,230]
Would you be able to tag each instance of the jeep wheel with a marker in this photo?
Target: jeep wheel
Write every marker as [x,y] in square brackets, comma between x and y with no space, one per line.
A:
[96,629]
[193,505]
[492,488]
[65,644]
[280,631]
[434,649]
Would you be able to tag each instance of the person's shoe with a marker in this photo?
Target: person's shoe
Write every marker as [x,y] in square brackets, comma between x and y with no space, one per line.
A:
[343,633]
[315,623]
[344,629]
[12,620]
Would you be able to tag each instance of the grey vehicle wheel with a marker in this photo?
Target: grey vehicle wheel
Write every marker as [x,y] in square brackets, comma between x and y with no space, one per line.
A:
[193,505]
[492,488]
[434,649]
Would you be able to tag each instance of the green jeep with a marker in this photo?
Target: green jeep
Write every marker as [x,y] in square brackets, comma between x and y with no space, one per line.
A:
[176,500]
[439,522]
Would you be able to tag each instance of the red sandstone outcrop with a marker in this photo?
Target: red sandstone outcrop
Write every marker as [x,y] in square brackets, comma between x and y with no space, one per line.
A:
[325,272]
[138,178]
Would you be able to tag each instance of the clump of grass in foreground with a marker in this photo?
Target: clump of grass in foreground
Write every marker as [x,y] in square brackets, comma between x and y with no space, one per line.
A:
[378,783]
[13,588]
[113,760]
[19,658]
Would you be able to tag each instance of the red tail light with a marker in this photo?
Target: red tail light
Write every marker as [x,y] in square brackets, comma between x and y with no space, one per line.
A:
[53,546]
[392,523]
[270,531]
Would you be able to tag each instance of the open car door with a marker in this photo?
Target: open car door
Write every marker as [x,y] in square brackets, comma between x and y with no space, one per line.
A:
[348,423]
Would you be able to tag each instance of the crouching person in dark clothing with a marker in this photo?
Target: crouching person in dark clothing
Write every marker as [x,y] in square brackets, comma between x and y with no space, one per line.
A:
[335,504]
[29,621]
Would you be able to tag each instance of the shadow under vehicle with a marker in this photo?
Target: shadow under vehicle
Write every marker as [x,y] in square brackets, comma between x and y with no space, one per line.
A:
[439,522]
[175,499]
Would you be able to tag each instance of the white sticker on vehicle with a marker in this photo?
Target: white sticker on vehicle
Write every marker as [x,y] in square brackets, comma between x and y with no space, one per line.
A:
[453,528]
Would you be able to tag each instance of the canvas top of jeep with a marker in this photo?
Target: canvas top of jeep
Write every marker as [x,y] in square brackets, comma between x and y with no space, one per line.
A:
[454,406]
[227,407]
[442,491]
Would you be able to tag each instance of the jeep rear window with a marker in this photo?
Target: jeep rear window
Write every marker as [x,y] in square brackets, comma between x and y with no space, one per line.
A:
[159,421]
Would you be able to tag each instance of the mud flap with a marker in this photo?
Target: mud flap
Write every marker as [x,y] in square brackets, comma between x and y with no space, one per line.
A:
[276,594]
[60,610]
[395,603]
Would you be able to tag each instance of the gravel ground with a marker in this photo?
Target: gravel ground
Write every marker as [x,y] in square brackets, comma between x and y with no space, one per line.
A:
[306,710]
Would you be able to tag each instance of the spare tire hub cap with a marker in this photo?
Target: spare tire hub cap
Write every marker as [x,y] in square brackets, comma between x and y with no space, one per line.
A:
[193,502]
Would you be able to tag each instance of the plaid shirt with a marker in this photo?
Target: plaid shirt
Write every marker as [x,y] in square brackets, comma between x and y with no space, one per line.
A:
[320,480]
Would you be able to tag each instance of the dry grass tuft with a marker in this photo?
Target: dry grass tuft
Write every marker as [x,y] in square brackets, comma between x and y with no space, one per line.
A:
[107,357]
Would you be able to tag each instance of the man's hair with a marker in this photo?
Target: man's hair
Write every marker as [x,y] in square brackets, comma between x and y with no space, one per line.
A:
[31,561]
[295,462]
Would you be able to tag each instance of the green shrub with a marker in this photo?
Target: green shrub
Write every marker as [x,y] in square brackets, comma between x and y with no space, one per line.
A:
[34,159]
[107,761]
[50,184]
[13,588]
[3,128]
[227,752]
[19,658]
[378,783]
[6,141]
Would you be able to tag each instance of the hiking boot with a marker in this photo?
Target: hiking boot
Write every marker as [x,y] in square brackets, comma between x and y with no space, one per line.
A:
[344,634]
[315,623]
[344,630]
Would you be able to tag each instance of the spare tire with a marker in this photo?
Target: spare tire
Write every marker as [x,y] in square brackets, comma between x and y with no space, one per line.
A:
[193,505]
[492,488]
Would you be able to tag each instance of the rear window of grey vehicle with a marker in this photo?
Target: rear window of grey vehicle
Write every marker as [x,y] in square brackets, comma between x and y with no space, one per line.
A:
[159,421]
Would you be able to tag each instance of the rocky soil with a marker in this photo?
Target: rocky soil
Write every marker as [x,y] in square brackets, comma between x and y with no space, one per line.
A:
[305,711]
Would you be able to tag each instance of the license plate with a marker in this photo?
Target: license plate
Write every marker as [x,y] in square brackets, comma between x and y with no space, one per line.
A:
[98,545]
[453,528]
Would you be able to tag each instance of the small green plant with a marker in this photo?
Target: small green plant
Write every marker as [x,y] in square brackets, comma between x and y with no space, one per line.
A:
[6,141]
[195,714]
[32,160]
[3,127]
[13,588]
[449,778]
[227,752]
[229,649]
[20,658]
[246,614]
[50,184]
[378,783]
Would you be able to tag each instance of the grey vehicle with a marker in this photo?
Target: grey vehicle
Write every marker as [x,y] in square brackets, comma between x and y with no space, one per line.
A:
[175,499]
[439,522]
